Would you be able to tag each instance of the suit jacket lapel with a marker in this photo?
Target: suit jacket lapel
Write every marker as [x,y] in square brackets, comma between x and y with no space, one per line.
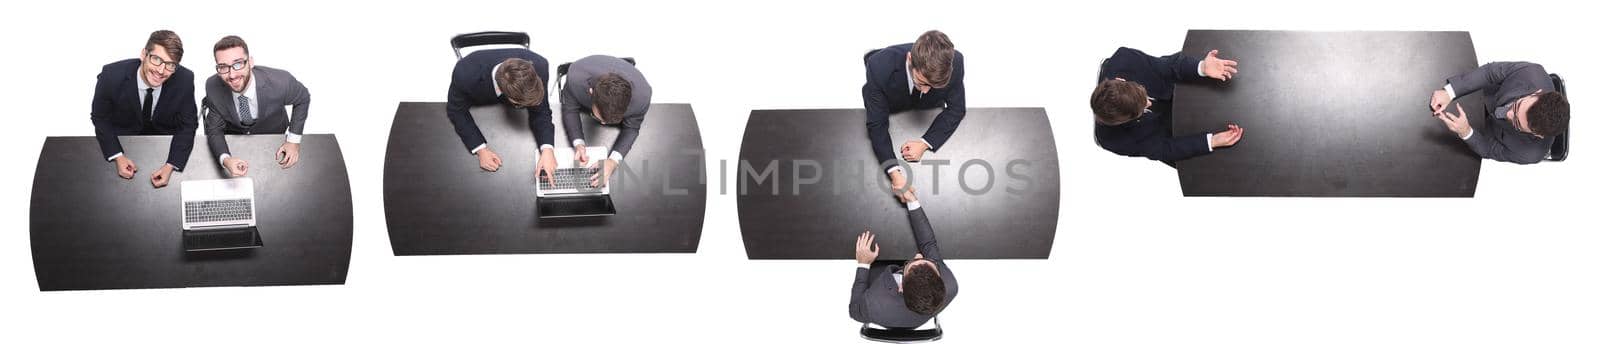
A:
[265,98]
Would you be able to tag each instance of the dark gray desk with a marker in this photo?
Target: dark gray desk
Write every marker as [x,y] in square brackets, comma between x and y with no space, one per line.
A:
[91,229]
[438,201]
[1329,114]
[821,220]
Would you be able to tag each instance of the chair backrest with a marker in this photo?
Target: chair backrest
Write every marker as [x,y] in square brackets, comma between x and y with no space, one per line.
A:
[487,38]
[895,335]
[1558,150]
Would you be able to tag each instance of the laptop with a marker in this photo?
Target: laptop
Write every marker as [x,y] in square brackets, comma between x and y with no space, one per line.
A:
[572,196]
[219,214]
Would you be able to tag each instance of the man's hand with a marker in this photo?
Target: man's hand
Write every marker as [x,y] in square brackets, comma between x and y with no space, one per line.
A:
[1227,137]
[125,167]
[236,167]
[1439,102]
[866,251]
[581,152]
[912,150]
[603,176]
[488,160]
[162,176]
[1457,122]
[908,196]
[897,180]
[547,166]
[1217,68]
[289,154]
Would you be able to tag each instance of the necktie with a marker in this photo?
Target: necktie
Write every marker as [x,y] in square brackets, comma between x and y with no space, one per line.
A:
[144,111]
[245,117]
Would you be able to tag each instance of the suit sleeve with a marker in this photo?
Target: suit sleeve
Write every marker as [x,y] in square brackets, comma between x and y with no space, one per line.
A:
[540,118]
[1176,67]
[216,138]
[858,297]
[570,109]
[878,122]
[101,112]
[630,132]
[457,107]
[1178,148]
[1489,74]
[188,121]
[299,98]
[955,109]
[923,232]
[1488,145]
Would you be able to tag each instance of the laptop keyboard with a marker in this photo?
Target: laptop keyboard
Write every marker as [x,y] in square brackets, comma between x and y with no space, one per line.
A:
[216,210]
[573,178]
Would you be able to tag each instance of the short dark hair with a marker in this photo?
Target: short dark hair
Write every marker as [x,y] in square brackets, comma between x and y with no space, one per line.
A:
[520,82]
[1117,101]
[923,289]
[932,55]
[1549,114]
[165,39]
[231,42]
[612,94]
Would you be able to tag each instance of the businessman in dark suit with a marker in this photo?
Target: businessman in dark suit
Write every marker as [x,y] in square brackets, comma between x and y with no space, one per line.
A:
[502,76]
[1529,113]
[615,93]
[1133,105]
[244,98]
[907,295]
[926,74]
[148,95]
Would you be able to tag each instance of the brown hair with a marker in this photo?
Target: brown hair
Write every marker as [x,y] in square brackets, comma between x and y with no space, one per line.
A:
[922,289]
[231,42]
[520,82]
[611,96]
[1117,101]
[165,39]
[1549,114]
[932,55]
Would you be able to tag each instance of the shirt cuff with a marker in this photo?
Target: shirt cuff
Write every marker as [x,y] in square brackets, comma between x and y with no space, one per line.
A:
[114,156]
[546,146]
[1208,143]
[1200,68]
[925,141]
[864,266]
[292,138]
[914,205]
[1450,90]
[480,146]
[1469,134]
[892,169]
[223,159]
[615,156]
[578,142]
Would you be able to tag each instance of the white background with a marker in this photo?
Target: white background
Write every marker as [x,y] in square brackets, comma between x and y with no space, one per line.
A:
[1133,261]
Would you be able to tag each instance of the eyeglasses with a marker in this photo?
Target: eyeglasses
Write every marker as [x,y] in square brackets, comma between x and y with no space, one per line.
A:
[236,66]
[156,61]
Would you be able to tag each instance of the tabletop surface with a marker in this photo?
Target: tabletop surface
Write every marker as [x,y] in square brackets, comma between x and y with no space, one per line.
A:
[1329,114]
[438,201]
[91,229]
[993,190]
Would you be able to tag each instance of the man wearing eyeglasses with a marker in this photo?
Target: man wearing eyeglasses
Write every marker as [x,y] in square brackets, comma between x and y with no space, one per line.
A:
[926,74]
[513,76]
[1133,105]
[148,95]
[244,98]
[902,296]
[1529,113]
[615,93]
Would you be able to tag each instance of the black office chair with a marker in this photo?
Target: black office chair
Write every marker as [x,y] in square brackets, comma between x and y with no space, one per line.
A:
[900,335]
[561,71]
[486,38]
[1558,150]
